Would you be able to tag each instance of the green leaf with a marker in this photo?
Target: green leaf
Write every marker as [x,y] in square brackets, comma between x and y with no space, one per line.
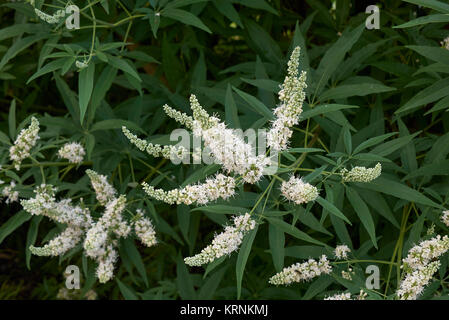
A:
[292,230]
[362,211]
[324,108]
[276,239]
[136,259]
[12,119]
[430,94]
[115,124]
[227,9]
[350,90]
[433,4]
[372,142]
[127,293]
[433,53]
[85,87]
[398,190]
[433,18]
[185,17]
[332,209]
[231,113]
[242,258]
[184,280]
[335,55]
[19,46]
[49,67]
[31,238]
[255,104]
[389,147]
[13,223]
[210,286]
[220,209]
[123,65]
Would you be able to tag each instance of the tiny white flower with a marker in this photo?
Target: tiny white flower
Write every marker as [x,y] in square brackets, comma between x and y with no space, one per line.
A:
[73,152]
[361,174]
[341,251]
[298,191]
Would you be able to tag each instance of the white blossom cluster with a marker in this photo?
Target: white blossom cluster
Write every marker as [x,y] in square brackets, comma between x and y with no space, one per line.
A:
[52,19]
[103,190]
[81,64]
[25,141]
[445,43]
[413,284]
[298,191]
[420,265]
[445,217]
[347,296]
[361,174]
[76,218]
[340,296]
[423,253]
[341,251]
[10,194]
[302,271]
[101,240]
[144,229]
[73,152]
[224,243]
[292,96]
[347,274]
[220,186]
[228,148]
[155,150]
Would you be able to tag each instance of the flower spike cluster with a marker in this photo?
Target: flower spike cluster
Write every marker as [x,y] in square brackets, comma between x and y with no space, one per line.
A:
[298,191]
[155,150]
[144,229]
[292,97]
[9,193]
[361,174]
[341,251]
[302,271]
[73,152]
[445,217]
[420,265]
[25,141]
[77,219]
[224,243]
[103,190]
[220,186]
[52,19]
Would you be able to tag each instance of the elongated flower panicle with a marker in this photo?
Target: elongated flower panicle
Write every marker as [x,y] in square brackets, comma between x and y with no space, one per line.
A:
[221,186]
[106,264]
[178,116]
[302,271]
[10,194]
[445,217]
[341,251]
[102,239]
[414,283]
[77,219]
[73,152]
[103,190]
[361,174]
[25,141]
[420,265]
[228,148]
[52,19]
[298,191]
[144,229]
[224,243]
[340,296]
[62,243]
[347,296]
[292,97]
[422,254]
[155,150]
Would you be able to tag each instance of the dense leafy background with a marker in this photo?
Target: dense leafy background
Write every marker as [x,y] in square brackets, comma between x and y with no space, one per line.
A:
[394,79]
